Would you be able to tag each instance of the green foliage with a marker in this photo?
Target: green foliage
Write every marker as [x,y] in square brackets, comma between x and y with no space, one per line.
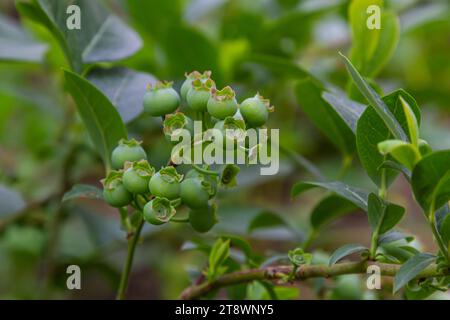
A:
[103,122]
[345,251]
[102,37]
[411,269]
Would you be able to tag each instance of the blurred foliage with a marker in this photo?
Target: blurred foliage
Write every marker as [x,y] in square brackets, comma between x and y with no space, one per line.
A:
[263,45]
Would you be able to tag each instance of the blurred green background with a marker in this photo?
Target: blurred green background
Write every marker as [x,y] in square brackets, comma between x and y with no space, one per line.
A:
[262,46]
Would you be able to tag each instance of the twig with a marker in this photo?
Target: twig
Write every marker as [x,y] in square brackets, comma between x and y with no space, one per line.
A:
[303,272]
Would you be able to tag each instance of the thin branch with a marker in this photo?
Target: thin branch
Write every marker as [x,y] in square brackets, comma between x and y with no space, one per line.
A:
[303,272]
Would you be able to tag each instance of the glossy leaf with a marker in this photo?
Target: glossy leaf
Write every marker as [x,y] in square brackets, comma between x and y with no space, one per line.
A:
[83,191]
[330,208]
[411,269]
[376,102]
[389,164]
[11,201]
[364,40]
[431,180]
[383,216]
[345,251]
[355,195]
[102,36]
[371,130]
[349,110]
[411,121]
[125,88]
[17,45]
[392,236]
[405,153]
[324,116]
[102,120]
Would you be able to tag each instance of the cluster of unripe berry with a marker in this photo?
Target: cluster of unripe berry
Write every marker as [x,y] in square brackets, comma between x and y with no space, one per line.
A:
[157,194]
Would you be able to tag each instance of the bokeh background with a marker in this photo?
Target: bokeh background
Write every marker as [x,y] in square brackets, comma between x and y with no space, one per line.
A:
[261,46]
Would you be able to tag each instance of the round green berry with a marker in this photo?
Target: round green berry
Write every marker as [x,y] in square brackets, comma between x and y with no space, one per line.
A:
[195,192]
[114,192]
[222,103]
[199,93]
[166,183]
[137,176]
[158,211]
[255,111]
[127,150]
[203,219]
[161,100]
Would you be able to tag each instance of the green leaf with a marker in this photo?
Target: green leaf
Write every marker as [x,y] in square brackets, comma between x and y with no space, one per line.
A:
[348,110]
[444,230]
[355,195]
[371,130]
[431,180]
[220,252]
[329,209]
[405,153]
[309,97]
[387,43]
[240,243]
[266,219]
[364,40]
[11,201]
[399,254]
[102,36]
[83,191]
[411,121]
[376,102]
[102,120]
[389,164]
[392,236]
[383,216]
[17,45]
[372,48]
[345,251]
[125,88]
[411,269]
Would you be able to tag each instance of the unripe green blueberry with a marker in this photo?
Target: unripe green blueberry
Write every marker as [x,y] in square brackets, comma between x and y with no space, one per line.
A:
[114,192]
[127,150]
[195,192]
[233,132]
[255,111]
[203,219]
[174,123]
[187,84]
[198,95]
[137,176]
[222,103]
[158,211]
[166,183]
[161,99]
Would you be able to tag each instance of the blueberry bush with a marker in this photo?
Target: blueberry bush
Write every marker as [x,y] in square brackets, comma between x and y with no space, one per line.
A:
[93,95]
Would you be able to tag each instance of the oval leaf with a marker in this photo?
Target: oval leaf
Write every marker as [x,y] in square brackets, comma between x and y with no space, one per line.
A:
[355,195]
[346,250]
[102,120]
[411,269]
[124,87]
[371,130]
[431,180]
